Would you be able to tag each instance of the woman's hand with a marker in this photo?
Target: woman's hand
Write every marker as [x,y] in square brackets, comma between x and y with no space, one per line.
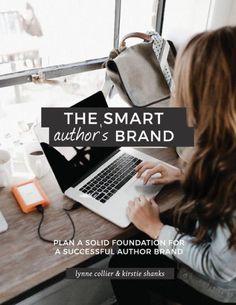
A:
[168,173]
[145,215]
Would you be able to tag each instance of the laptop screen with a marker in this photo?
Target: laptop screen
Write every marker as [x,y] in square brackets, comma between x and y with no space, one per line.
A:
[70,164]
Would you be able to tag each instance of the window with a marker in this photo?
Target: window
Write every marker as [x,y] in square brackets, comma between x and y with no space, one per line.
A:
[46,33]
[56,41]
[38,34]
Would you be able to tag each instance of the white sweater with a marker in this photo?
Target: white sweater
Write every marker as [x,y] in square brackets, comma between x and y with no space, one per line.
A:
[208,267]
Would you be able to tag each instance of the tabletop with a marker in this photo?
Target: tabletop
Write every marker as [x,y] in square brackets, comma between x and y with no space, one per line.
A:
[26,261]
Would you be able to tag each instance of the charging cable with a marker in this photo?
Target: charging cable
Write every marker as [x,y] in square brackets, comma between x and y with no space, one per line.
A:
[40,209]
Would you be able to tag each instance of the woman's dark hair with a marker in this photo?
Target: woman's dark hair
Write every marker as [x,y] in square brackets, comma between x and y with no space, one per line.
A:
[205,78]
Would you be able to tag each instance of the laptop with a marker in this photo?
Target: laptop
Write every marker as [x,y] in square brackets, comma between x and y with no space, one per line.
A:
[103,179]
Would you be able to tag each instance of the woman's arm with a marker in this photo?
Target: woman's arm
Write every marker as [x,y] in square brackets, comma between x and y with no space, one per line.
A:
[213,259]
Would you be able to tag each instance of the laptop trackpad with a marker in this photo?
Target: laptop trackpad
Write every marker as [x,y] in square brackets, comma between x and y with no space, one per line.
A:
[148,190]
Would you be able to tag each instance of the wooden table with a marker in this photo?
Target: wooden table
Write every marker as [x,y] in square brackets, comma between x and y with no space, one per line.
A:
[26,261]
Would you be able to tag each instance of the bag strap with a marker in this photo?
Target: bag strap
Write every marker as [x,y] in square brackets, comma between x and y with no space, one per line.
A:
[145,37]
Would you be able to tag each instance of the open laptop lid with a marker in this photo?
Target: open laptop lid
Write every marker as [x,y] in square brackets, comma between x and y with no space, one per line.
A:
[71,164]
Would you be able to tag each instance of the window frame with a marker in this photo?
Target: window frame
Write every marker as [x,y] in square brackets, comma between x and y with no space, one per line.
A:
[50,72]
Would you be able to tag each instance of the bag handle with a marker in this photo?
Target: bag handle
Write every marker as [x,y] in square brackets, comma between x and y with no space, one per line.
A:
[140,35]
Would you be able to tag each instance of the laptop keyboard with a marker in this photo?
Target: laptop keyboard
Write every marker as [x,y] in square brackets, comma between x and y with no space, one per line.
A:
[105,184]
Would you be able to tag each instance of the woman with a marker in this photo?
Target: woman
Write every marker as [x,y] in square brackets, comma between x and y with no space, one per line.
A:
[205,220]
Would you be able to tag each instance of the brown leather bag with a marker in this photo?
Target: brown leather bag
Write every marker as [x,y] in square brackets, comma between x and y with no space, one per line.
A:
[136,74]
